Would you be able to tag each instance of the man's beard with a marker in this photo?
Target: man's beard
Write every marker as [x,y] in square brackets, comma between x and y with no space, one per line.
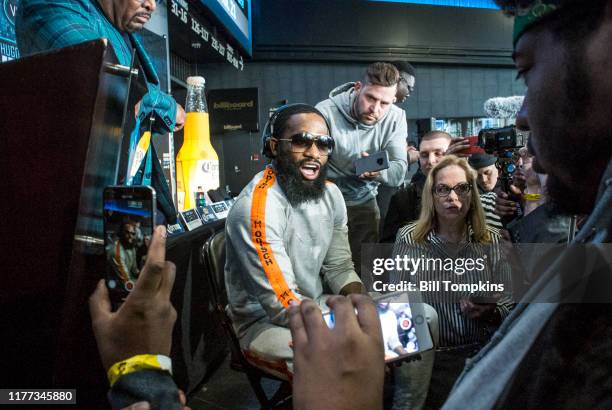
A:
[360,116]
[297,189]
[563,199]
[579,196]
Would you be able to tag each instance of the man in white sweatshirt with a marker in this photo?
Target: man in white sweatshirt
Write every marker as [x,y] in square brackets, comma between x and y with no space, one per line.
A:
[286,238]
[363,121]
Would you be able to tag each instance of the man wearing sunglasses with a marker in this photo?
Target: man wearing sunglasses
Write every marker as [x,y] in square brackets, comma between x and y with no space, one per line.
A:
[364,120]
[286,238]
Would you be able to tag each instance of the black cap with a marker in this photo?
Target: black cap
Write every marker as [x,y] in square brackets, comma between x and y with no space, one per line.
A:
[478,161]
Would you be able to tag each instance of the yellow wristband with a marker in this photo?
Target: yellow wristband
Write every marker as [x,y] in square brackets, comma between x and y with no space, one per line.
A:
[532,197]
[138,362]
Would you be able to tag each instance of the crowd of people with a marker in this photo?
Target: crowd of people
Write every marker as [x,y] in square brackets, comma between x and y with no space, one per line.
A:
[295,232]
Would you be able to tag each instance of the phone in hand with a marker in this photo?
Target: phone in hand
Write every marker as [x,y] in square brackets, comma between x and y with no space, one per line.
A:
[474,148]
[129,216]
[404,328]
[372,163]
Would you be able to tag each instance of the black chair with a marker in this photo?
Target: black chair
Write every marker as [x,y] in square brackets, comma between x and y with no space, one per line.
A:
[213,255]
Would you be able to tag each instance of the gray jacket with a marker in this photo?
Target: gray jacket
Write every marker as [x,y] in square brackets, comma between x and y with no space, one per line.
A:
[277,252]
[353,137]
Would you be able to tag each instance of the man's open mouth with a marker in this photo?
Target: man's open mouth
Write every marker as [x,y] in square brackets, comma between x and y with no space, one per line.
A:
[310,170]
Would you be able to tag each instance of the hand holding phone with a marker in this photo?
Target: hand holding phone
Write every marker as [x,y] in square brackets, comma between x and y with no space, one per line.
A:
[464,147]
[145,321]
[129,215]
[405,332]
[369,164]
[347,359]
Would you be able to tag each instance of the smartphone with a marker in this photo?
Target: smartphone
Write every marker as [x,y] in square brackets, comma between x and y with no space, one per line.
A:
[474,148]
[404,328]
[372,163]
[129,216]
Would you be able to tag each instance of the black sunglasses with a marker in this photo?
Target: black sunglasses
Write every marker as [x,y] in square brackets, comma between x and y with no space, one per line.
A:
[460,189]
[303,141]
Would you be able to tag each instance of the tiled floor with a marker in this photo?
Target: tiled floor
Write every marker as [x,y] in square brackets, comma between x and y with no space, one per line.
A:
[229,389]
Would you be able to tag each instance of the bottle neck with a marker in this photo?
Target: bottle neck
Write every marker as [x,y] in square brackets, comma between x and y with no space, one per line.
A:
[196,101]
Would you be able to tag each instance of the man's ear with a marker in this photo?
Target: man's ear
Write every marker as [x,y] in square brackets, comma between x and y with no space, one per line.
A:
[273,146]
[358,85]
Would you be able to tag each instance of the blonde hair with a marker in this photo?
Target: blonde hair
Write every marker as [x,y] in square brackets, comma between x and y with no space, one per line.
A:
[475,216]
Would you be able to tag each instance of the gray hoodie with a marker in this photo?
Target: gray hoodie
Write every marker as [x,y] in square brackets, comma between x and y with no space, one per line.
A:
[353,137]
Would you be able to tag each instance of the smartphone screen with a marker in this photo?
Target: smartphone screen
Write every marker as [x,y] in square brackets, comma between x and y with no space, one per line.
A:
[399,330]
[129,215]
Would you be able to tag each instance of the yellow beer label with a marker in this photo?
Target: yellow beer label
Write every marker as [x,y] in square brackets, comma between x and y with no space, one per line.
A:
[197,163]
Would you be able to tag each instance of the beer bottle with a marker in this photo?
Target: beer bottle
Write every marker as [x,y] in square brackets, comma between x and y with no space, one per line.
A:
[197,163]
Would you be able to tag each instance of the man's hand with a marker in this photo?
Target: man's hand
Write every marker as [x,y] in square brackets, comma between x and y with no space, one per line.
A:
[519,181]
[180,117]
[143,324]
[458,146]
[368,175]
[339,368]
[413,155]
[137,109]
[504,206]
[144,405]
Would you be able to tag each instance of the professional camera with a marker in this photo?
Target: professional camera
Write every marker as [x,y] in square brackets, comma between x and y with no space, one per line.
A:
[501,139]
[504,143]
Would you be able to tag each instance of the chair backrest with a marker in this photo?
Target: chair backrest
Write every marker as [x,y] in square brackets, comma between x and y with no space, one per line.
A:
[213,255]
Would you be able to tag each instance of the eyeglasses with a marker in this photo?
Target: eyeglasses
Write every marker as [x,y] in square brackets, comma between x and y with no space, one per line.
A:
[303,141]
[460,189]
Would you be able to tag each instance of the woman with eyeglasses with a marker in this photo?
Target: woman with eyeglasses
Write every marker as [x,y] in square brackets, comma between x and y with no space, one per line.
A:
[456,251]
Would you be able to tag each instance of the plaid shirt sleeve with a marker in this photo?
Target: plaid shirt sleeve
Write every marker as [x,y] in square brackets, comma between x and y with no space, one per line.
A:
[43,25]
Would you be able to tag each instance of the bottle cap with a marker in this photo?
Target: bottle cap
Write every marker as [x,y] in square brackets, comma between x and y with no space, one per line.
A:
[196,81]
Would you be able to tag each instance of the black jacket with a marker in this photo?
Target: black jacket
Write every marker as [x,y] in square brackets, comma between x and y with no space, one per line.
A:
[404,207]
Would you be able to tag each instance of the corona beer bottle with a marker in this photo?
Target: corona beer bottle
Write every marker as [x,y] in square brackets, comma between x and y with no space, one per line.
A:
[197,163]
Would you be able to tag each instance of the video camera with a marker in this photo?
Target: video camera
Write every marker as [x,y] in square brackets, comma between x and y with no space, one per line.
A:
[501,139]
[503,143]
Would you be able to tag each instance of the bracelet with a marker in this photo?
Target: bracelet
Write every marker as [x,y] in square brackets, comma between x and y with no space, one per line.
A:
[532,197]
[136,363]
